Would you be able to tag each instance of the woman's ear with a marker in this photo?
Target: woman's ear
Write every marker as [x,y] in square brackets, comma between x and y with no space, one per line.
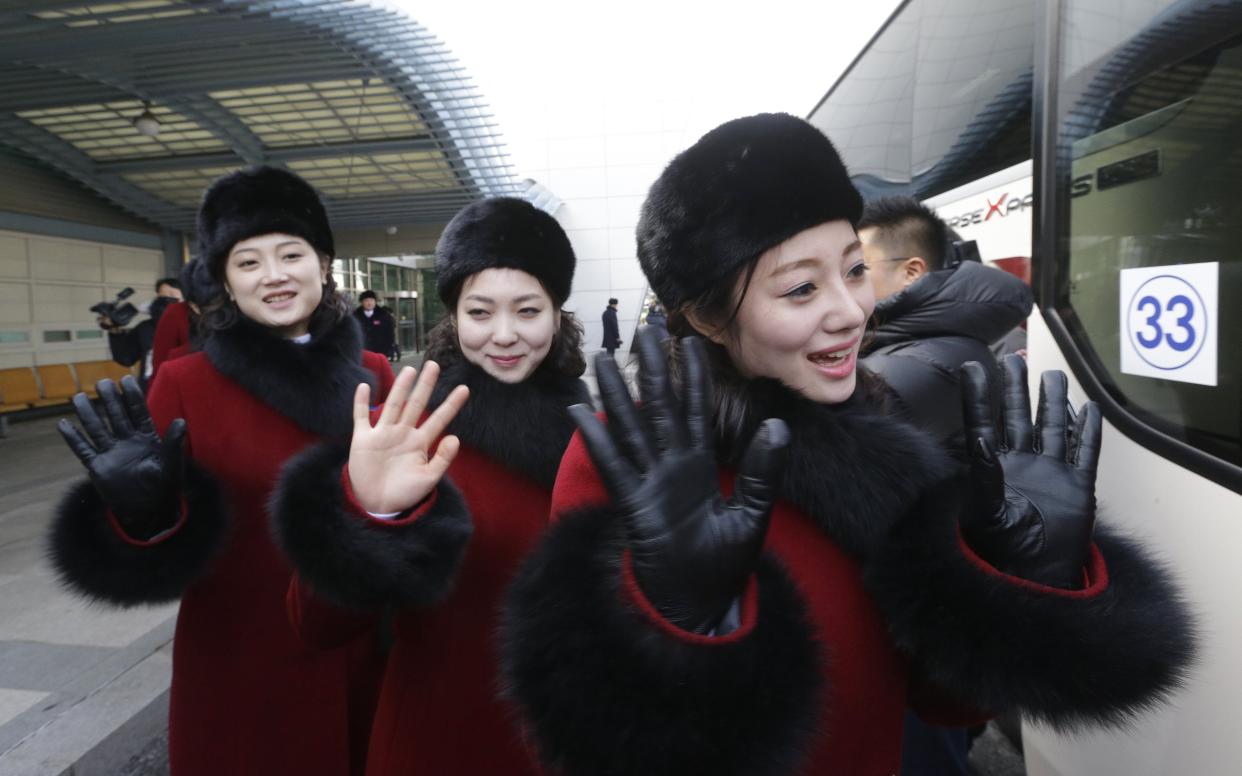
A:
[701,326]
[325,267]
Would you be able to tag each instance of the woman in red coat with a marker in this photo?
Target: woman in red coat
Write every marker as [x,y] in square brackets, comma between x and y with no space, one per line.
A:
[503,269]
[757,579]
[185,518]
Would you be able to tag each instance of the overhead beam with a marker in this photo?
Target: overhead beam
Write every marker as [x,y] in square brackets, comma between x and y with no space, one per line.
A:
[271,155]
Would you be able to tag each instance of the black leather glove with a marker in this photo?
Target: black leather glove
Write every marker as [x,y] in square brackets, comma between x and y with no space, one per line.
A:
[1034,485]
[136,474]
[692,550]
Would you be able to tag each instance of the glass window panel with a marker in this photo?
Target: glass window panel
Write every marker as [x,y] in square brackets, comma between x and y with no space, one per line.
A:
[1151,167]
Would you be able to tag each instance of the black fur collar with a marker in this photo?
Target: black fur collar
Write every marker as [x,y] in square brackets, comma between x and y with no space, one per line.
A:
[312,384]
[852,469]
[525,427]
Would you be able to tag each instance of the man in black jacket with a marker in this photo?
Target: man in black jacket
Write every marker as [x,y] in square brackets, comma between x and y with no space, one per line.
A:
[379,330]
[931,319]
[133,346]
[612,332]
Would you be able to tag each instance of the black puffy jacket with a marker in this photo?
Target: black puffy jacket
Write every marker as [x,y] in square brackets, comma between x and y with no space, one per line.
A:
[941,321]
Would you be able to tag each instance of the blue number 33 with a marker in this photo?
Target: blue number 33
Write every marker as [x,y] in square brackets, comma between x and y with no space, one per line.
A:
[1152,306]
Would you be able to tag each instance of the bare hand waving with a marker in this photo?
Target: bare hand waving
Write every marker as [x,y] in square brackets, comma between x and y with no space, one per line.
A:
[391,464]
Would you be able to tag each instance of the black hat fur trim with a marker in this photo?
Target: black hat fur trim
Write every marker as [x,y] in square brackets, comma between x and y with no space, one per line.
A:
[504,232]
[257,201]
[746,186]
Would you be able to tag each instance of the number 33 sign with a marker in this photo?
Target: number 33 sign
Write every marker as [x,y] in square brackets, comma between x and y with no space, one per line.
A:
[1168,322]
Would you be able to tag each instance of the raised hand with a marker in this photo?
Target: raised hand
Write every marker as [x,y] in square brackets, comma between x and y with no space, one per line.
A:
[391,465]
[136,474]
[692,550]
[1034,484]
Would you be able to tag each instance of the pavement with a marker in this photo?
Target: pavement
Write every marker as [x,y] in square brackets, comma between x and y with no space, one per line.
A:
[82,686]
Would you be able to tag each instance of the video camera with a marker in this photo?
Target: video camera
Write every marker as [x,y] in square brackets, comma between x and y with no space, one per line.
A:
[118,310]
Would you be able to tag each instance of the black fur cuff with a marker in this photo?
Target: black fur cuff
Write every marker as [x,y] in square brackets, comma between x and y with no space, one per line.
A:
[362,563]
[1102,655]
[604,689]
[92,558]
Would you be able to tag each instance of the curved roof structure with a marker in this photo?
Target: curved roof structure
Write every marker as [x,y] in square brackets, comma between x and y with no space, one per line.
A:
[361,101]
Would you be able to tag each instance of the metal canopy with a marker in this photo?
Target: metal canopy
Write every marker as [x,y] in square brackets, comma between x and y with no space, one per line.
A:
[362,102]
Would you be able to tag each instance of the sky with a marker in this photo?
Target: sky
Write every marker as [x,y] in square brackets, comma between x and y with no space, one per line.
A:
[718,60]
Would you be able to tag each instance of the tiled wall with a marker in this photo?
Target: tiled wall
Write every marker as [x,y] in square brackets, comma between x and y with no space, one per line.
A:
[46,287]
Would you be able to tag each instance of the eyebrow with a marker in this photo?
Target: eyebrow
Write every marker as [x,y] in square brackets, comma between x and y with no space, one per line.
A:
[489,300]
[294,243]
[781,270]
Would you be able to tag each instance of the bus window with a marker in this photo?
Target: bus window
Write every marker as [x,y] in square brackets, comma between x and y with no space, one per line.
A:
[1149,174]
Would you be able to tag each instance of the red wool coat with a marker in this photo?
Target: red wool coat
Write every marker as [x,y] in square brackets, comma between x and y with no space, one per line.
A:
[866,600]
[248,697]
[172,335]
[440,709]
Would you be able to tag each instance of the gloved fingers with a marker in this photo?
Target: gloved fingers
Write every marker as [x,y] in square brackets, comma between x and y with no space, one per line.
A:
[698,389]
[1090,436]
[111,399]
[94,427]
[624,424]
[619,477]
[77,443]
[978,413]
[172,450]
[759,475]
[1018,432]
[659,405]
[1051,417]
[987,481]
[136,405]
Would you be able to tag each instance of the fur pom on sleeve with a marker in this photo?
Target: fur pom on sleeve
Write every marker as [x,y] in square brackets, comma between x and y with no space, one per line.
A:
[1101,655]
[359,562]
[92,556]
[605,689]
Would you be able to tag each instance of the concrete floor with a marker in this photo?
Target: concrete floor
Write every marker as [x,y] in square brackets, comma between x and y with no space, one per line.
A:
[78,682]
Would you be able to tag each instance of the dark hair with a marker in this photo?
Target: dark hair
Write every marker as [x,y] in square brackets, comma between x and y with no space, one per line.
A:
[565,356]
[612,301]
[368,294]
[905,227]
[220,312]
[174,282]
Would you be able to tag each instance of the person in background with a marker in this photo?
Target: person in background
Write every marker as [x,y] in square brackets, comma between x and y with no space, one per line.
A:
[612,331]
[379,329]
[657,319]
[931,318]
[134,346]
[175,505]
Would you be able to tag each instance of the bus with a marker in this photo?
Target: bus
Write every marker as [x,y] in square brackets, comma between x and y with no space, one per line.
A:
[1101,143]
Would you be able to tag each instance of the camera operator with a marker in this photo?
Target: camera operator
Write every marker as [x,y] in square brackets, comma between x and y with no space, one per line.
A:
[130,346]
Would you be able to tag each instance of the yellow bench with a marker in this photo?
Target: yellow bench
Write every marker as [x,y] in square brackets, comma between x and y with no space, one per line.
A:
[58,383]
[18,389]
[91,372]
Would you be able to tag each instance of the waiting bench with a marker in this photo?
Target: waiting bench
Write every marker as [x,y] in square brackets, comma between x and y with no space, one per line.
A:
[24,388]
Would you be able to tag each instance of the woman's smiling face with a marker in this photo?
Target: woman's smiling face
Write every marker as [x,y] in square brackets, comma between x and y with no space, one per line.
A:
[276,280]
[802,317]
[506,323]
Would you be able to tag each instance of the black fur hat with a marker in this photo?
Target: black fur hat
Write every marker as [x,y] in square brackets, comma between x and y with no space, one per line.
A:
[197,284]
[504,232]
[260,200]
[746,186]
